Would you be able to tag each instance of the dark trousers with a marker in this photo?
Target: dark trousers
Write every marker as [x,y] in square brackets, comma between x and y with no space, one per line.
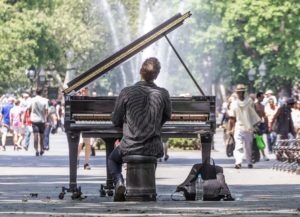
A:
[47,136]
[115,163]
[271,139]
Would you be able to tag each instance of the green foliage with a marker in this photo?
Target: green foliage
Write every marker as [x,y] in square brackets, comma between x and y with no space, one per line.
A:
[184,143]
[39,34]
[264,30]
[224,39]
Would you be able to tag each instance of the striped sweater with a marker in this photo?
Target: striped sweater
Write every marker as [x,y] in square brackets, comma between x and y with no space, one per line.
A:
[141,110]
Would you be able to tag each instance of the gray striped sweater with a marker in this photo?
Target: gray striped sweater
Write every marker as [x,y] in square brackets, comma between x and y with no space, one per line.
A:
[141,110]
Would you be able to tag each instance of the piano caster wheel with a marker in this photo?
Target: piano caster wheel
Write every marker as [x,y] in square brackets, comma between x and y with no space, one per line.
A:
[110,193]
[61,195]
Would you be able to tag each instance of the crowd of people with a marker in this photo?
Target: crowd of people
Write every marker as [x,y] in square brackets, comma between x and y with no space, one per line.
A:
[244,116]
[30,115]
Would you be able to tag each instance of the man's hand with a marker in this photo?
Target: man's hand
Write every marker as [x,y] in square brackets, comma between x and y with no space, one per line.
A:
[256,128]
[230,132]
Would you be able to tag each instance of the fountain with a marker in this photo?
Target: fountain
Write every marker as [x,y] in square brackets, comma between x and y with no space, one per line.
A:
[151,14]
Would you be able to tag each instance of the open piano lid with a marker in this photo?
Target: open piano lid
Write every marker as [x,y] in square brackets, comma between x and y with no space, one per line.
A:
[125,53]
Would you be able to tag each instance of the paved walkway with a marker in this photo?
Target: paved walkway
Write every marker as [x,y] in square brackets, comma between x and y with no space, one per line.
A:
[259,192]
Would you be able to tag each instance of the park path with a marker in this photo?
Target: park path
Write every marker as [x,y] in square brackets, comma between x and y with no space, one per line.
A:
[260,191]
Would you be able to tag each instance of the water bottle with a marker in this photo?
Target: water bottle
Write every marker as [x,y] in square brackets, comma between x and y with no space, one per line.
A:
[199,188]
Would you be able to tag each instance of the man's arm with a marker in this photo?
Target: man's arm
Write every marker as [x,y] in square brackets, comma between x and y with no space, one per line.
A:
[231,125]
[167,110]
[119,111]
[10,119]
[275,118]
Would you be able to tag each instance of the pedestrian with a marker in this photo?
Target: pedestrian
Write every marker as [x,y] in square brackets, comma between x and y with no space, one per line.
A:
[5,120]
[242,121]
[283,123]
[51,124]
[260,109]
[59,115]
[296,117]
[226,136]
[269,94]
[28,128]
[24,103]
[38,108]
[270,110]
[16,124]
[141,110]
[84,142]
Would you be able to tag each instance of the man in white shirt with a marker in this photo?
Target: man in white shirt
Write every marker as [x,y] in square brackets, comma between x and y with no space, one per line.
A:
[269,95]
[38,114]
[242,119]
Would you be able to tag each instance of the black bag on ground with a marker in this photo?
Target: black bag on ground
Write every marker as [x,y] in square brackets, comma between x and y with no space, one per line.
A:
[214,187]
[211,185]
[230,145]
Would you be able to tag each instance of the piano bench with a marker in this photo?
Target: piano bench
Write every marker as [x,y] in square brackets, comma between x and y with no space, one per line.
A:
[140,178]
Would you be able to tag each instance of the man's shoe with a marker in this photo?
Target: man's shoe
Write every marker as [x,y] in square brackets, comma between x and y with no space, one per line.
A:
[250,166]
[37,154]
[266,159]
[238,166]
[86,167]
[228,197]
[166,157]
[119,191]
[41,153]
[25,148]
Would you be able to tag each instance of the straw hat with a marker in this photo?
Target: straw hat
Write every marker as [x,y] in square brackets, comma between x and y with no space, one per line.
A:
[240,88]
[269,92]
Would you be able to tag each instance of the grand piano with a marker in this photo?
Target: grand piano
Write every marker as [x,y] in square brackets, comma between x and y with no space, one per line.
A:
[192,117]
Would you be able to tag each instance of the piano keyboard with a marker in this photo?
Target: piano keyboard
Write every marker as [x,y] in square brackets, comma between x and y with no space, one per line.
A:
[175,117]
[89,122]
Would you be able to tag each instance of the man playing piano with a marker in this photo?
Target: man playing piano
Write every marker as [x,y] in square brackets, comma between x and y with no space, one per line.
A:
[141,110]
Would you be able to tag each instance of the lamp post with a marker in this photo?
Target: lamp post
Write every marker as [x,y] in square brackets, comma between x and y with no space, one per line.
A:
[31,74]
[262,69]
[41,78]
[251,74]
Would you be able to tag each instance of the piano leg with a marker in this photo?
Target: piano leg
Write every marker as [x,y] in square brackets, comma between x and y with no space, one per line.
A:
[206,141]
[73,140]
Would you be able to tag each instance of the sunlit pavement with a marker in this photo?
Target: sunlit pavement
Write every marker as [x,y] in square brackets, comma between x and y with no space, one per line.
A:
[260,191]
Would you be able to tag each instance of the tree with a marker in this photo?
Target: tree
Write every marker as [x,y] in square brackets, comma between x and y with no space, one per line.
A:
[40,34]
[264,31]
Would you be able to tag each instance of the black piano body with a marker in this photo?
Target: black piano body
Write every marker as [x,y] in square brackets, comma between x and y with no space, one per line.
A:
[192,117]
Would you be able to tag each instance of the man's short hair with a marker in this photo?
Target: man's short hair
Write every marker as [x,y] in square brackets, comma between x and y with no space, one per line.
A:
[39,91]
[259,94]
[150,69]
[291,101]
